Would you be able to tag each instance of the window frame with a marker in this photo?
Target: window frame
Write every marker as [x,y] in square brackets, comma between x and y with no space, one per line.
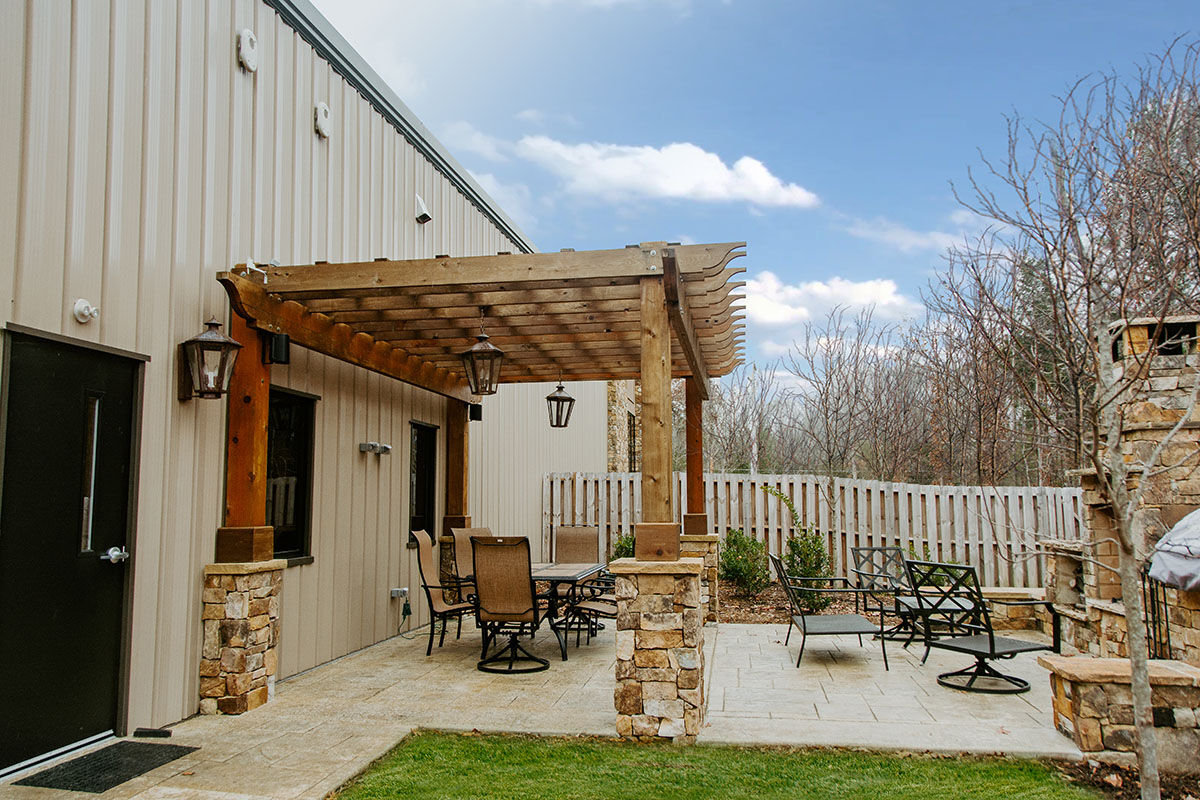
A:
[306,483]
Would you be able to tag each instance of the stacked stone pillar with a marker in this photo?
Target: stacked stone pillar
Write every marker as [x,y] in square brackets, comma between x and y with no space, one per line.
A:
[660,649]
[241,635]
[704,546]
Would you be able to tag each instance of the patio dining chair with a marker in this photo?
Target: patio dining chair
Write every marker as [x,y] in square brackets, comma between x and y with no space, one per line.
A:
[505,603]
[591,601]
[824,624]
[941,592]
[463,566]
[879,572]
[440,608]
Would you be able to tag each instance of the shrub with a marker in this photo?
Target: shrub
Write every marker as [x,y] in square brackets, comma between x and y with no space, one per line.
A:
[939,577]
[623,547]
[743,563]
[805,556]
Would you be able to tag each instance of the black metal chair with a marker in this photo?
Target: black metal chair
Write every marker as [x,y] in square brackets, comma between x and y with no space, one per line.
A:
[506,603]
[952,615]
[824,624]
[879,573]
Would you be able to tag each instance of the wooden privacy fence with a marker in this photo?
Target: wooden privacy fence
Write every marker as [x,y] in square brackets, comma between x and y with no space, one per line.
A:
[994,528]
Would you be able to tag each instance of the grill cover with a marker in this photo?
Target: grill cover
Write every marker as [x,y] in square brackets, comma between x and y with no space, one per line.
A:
[1176,557]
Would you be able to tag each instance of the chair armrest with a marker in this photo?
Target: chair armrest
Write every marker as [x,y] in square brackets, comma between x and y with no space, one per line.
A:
[797,578]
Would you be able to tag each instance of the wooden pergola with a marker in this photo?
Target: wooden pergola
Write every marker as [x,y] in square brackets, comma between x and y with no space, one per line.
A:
[651,312]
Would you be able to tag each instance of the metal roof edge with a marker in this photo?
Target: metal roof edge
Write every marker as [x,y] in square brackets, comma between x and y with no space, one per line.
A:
[303,17]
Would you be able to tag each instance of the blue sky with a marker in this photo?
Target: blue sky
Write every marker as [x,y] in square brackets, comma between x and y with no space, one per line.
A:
[825,134]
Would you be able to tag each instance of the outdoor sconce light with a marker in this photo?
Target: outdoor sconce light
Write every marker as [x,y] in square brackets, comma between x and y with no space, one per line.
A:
[276,348]
[475,412]
[206,363]
[559,404]
[482,363]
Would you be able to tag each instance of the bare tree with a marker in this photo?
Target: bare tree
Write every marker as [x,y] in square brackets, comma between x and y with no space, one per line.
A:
[1096,217]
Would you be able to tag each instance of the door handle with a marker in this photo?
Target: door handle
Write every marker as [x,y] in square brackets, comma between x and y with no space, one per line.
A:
[115,555]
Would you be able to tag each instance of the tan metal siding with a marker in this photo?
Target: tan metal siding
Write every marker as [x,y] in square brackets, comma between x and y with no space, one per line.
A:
[514,446]
[139,160]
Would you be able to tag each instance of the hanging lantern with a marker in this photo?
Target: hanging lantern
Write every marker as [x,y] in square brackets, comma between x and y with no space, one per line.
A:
[482,364]
[206,363]
[559,404]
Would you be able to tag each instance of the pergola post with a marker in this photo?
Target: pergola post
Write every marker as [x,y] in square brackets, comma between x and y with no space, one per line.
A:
[697,539]
[455,510]
[246,535]
[656,403]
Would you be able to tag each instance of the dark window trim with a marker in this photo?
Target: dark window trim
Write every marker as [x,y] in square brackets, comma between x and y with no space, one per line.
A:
[305,555]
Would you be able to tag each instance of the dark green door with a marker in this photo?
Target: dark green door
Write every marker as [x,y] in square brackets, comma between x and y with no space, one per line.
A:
[64,542]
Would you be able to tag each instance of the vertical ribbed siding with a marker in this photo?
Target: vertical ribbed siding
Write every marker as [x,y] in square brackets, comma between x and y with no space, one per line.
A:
[515,446]
[139,160]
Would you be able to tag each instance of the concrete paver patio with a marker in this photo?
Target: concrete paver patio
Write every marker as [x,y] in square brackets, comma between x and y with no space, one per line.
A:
[326,725]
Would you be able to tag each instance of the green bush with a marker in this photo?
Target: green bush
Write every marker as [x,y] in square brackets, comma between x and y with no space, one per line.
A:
[939,578]
[805,556]
[623,547]
[743,563]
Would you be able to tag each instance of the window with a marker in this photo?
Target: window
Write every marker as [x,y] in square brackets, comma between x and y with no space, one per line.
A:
[631,441]
[422,481]
[289,470]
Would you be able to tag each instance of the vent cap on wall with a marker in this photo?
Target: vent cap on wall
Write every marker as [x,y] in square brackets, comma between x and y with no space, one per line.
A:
[423,214]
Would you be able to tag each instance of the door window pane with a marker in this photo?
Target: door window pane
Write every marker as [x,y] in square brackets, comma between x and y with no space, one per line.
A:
[289,471]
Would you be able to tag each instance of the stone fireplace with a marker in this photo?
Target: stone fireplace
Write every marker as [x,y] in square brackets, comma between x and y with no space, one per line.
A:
[1084,590]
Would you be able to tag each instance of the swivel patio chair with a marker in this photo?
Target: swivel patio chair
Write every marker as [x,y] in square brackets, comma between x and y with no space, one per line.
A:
[440,608]
[949,594]
[463,565]
[505,603]
[824,624]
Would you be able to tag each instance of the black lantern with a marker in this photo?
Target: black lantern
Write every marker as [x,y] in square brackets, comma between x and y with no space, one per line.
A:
[206,363]
[559,404]
[482,364]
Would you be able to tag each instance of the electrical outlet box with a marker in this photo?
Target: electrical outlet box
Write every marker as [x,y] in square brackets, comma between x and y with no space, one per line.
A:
[401,593]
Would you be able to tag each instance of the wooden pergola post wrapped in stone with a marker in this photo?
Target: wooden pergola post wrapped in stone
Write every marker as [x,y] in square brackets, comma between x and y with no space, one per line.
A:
[652,312]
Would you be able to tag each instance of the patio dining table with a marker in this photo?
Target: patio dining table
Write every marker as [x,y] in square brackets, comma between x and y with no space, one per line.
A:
[562,575]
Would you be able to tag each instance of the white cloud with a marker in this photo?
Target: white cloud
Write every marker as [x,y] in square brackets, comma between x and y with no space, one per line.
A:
[515,198]
[681,170]
[773,304]
[903,239]
[539,118]
[465,137]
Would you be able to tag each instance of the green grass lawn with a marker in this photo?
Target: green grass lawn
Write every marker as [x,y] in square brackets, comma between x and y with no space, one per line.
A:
[440,765]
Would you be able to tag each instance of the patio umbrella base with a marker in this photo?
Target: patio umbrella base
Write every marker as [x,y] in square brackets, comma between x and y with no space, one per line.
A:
[512,659]
[982,677]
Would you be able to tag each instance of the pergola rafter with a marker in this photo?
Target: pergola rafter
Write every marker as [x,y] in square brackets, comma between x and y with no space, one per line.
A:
[650,312]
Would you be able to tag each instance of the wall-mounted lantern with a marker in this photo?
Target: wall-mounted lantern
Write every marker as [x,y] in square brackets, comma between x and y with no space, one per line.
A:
[559,404]
[482,364]
[206,363]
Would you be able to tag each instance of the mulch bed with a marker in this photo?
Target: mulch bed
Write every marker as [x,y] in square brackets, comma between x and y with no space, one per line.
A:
[1119,783]
[771,606]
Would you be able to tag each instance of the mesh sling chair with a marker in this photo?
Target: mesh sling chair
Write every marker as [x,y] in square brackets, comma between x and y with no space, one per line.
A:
[590,601]
[464,568]
[825,624]
[941,592]
[435,593]
[505,603]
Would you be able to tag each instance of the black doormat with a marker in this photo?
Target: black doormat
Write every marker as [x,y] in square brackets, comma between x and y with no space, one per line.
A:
[108,767]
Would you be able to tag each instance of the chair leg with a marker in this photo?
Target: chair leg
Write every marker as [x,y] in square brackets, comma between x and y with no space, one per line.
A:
[788,638]
[458,635]
[432,625]
[445,623]
[883,647]
[803,641]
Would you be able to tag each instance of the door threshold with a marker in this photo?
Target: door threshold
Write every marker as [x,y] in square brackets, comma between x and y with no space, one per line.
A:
[44,758]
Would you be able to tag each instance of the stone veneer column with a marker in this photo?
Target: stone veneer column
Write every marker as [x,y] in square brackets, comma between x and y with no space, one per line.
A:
[660,649]
[705,547]
[241,633]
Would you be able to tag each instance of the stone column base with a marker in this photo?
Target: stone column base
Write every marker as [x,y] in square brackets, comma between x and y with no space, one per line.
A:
[241,633]
[705,547]
[660,649]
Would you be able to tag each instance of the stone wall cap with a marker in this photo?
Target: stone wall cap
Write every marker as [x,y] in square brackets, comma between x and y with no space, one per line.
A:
[245,567]
[1085,669]
[1013,593]
[631,566]
[699,537]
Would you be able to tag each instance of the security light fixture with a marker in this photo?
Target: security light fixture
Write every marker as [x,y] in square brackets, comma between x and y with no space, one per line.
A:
[559,404]
[206,363]
[482,363]
[423,214]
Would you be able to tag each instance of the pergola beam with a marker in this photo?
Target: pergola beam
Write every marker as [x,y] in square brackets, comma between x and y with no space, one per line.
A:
[317,332]
[681,322]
